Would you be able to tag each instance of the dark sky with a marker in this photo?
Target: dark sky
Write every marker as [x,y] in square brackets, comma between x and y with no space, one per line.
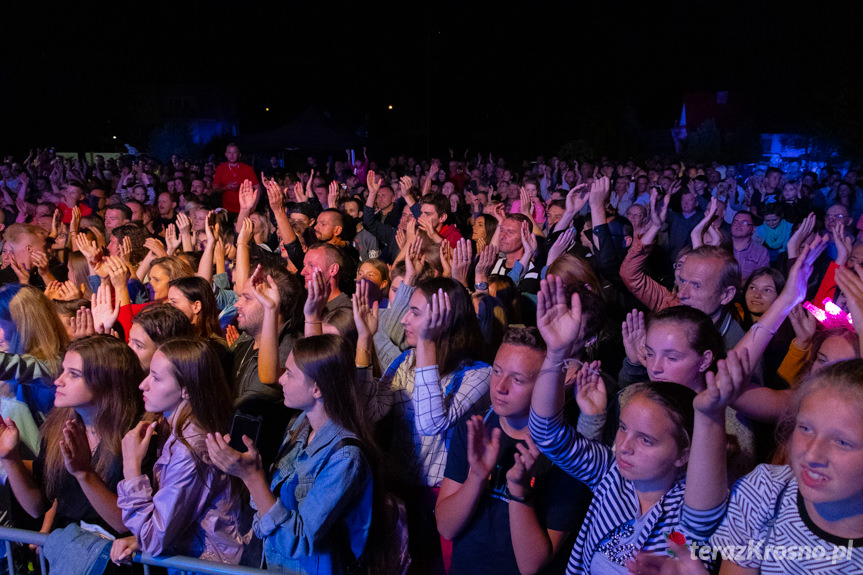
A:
[470,73]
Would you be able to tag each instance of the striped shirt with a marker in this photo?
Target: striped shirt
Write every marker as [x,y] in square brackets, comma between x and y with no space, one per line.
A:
[426,409]
[615,501]
[768,528]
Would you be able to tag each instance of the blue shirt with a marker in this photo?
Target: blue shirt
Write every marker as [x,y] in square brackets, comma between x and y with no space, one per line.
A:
[324,508]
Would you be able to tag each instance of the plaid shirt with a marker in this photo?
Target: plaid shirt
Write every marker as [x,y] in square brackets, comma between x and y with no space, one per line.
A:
[426,408]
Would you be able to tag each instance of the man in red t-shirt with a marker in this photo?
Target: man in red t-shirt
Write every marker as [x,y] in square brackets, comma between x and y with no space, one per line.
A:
[229,176]
[434,210]
[73,193]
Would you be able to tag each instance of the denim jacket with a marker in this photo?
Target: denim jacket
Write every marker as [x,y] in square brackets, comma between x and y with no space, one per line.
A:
[320,521]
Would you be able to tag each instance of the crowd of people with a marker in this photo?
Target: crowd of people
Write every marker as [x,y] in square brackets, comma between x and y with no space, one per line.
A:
[411,366]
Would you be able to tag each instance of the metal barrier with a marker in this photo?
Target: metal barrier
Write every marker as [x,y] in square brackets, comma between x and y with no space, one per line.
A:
[185,564]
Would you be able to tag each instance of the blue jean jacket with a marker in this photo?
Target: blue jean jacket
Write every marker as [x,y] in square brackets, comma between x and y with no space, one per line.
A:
[321,519]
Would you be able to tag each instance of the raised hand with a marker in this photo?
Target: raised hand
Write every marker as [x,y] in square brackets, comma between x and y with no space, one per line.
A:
[499,212]
[461,260]
[658,208]
[439,313]
[528,242]
[156,247]
[300,193]
[446,258]
[247,232]
[172,240]
[800,235]
[590,389]
[558,321]
[274,195]
[599,192]
[798,276]
[373,183]
[75,224]
[318,294]
[805,324]
[725,386]
[125,249]
[413,260]
[525,205]
[562,244]
[56,223]
[248,196]
[634,336]
[520,476]
[365,315]
[482,448]
[407,183]
[88,248]
[411,230]
[118,272]
[76,449]
[333,195]
[265,290]
[843,243]
[485,263]
[105,313]
[81,323]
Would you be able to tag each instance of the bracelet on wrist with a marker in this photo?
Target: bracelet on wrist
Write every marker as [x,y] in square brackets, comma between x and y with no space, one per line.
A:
[525,500]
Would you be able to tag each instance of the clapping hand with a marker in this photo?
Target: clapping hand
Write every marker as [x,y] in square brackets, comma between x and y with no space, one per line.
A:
[105,313]
[482,448]
[439,316]
[724,386]
[520,475]
[590,389]
[365,314]
[265,290]
[76,449]
[135,445]
[558,320]
[248,196]
[461,260]
[634,336]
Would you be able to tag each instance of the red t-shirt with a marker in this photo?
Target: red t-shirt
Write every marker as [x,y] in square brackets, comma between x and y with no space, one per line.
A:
[450,234]
[67,211]
[227,173]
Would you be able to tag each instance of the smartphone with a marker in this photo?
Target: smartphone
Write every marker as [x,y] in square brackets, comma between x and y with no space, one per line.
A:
[247,425]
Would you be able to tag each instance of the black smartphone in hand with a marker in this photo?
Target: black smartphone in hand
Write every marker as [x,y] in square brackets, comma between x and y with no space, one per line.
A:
[247,425]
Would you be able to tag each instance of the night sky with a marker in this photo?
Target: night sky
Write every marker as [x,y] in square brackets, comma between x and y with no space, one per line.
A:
[522,76]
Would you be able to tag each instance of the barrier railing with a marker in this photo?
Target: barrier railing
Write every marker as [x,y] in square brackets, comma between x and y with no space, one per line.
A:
[11,535]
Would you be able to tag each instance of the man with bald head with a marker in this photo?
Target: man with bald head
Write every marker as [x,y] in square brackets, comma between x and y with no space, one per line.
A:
[229,176]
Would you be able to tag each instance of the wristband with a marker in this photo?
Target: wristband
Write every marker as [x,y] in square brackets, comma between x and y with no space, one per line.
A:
[523,500]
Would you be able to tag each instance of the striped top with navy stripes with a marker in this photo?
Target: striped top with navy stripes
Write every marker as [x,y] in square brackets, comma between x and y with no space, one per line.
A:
[615,501]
